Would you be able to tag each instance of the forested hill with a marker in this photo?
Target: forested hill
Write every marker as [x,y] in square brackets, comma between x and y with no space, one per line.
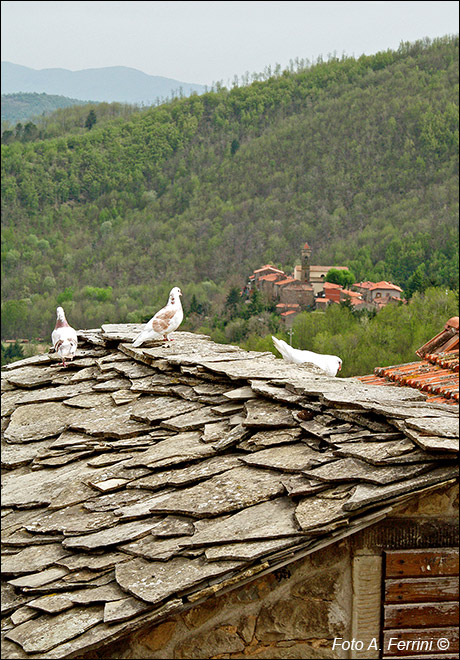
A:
[359,157]
[25,106]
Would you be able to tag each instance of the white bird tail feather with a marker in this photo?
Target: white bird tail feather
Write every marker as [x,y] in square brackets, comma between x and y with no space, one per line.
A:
[283,348]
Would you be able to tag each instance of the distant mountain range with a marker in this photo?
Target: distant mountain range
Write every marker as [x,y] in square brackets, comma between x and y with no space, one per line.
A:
[115,83]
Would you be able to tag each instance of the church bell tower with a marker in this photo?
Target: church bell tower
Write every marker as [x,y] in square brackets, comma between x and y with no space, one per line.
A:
[305,264]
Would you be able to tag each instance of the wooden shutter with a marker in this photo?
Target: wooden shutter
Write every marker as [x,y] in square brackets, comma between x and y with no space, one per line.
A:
[420,609]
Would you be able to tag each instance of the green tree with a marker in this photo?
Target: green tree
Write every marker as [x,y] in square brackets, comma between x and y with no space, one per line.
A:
[91,119]
[343,277]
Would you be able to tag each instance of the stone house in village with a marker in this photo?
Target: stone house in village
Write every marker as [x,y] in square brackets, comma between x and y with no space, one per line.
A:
[307,289]
[194,500]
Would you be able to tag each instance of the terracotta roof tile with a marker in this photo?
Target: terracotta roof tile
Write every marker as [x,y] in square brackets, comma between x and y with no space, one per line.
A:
[437,373]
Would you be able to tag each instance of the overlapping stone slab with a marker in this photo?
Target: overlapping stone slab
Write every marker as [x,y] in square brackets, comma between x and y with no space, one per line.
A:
[230,491]
[153,581]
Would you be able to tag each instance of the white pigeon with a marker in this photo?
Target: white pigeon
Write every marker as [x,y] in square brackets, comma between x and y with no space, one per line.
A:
[64,338]
[165,321]
[331,364]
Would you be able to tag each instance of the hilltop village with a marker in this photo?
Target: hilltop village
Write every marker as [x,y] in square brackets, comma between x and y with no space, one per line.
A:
[306,289]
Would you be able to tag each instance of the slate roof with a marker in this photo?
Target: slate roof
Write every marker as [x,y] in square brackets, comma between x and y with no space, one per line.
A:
[139,481]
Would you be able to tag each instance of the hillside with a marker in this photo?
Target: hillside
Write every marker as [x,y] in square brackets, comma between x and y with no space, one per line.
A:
[359,157]
[25,106]
[115,83]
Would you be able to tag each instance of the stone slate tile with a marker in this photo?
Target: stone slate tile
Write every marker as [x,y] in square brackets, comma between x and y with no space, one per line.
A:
[52,604]
[133,370]
[33,559]
[31,376]
[40,578]
[353,469]
[125,609]
[121,533]
[40,488]
[70,520]
[365,451]
[120,397]
[444,427]
[266,439]
[57,393]
[185,476]
[192,420]
[23,614]
[22,538]
[415,409]
[75,562]
[154,581]
[109,421]
[47,631]
[73,581]
[153,548]
[236,435]
[107,459]
[60,459]
[11,599]
[38,421]
[112,385]
[88,373]
[102,594]
[214,431]
[230,491]
[366,396]
[228,408]
[251,366]
[375,453]
[268,520]
[366,494]
[142,509]
[264,414]
[180,448]
[108,485]
[91,400]
[363,418]
[113,501]
[301,485]
[313,514]
[155,409]
[429,443]
[155,384]
[250,550]
[295,457]
[272,392]
[16,455]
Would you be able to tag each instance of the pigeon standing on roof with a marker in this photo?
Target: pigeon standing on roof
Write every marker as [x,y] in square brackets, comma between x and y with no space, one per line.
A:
[165,321]
[331,364]
[64,338]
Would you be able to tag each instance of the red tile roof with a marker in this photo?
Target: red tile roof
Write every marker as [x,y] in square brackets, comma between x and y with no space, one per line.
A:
[437,374]
[267,267]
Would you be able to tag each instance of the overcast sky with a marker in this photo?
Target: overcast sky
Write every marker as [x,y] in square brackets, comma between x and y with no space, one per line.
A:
[206,42]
